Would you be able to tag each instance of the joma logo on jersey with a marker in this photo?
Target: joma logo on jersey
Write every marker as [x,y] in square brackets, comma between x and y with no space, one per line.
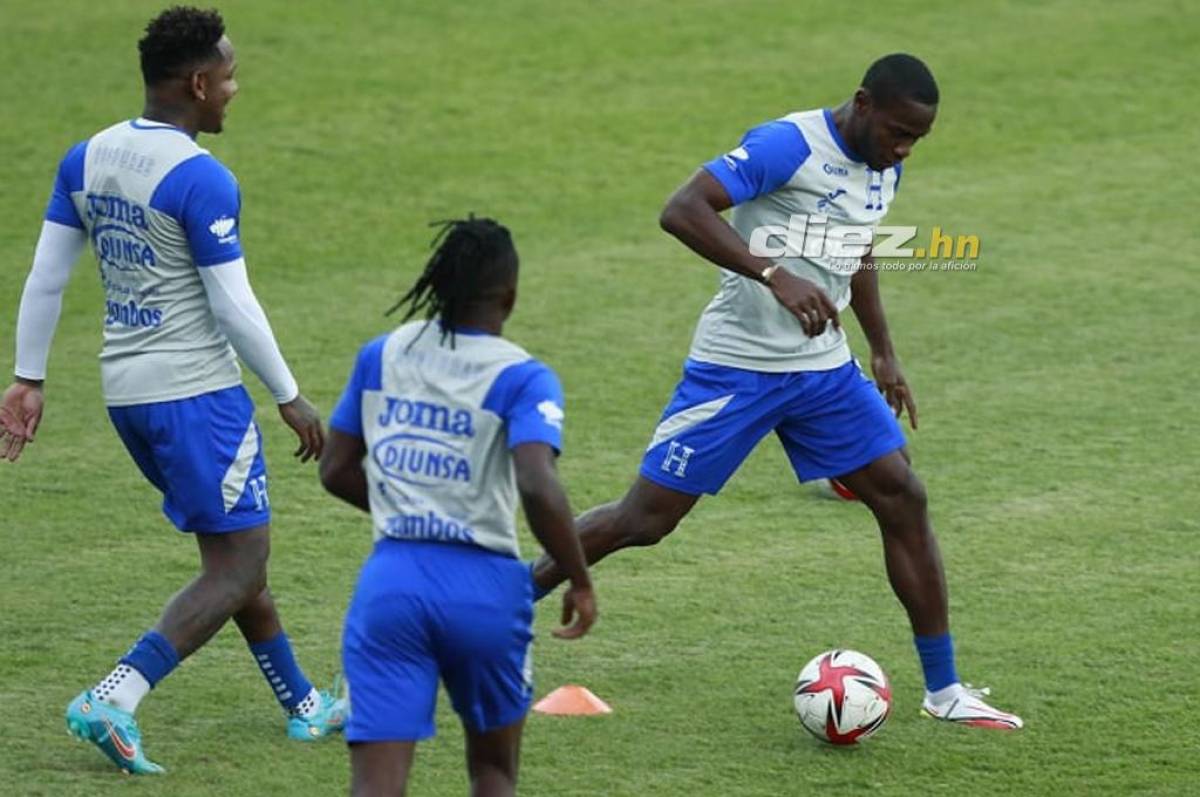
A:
[118,209]
[426,415]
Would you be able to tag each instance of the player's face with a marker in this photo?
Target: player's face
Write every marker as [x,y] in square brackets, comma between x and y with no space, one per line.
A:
[891,131]
[220,86]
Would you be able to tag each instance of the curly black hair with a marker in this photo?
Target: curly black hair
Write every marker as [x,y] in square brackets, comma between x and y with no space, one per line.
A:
[178,38]
[473,260]
[901,76]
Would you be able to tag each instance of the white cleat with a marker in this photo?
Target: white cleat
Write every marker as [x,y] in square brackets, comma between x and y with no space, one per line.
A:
[966,707]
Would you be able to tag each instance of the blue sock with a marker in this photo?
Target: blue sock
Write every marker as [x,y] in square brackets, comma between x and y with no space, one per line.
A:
[937,660]
[275,659]
[153,656]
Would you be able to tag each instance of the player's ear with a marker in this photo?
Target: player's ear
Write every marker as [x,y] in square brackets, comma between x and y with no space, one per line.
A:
[862,101]
[509,300]
[198,85]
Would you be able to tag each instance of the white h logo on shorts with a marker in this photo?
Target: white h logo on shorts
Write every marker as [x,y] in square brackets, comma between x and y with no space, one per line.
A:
[677,458]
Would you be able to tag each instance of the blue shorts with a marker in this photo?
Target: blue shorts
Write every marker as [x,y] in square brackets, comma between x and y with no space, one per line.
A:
[204,454]
[831,423]
[424,610]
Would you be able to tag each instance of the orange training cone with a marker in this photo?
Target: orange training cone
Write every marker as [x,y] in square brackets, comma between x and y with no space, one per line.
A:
[571,701]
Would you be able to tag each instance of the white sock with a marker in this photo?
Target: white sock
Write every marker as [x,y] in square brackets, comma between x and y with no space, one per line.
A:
[124,688]
[944,695]
[309,705]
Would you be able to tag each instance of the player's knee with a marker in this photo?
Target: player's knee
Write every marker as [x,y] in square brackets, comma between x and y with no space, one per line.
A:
[647,528]
[247,580]
[907,493]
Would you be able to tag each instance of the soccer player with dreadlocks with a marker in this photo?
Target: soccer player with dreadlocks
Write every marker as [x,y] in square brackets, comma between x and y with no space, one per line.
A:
[442,426]
[162,217]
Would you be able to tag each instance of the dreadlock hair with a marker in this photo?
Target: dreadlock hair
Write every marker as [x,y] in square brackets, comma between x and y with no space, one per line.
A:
[473,260]
[178,38]
[900,76]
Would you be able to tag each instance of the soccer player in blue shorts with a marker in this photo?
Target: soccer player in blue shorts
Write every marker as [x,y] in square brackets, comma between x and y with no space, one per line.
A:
[162,217]
[769,354]
[443,425]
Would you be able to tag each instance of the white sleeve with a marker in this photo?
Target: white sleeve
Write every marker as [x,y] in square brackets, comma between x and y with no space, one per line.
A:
[243,321]
[58,248]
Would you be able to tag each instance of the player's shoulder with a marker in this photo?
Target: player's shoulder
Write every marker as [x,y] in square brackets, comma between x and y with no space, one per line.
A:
[202,168]
[808,124]
[200,184]
[527,382]
[783,140]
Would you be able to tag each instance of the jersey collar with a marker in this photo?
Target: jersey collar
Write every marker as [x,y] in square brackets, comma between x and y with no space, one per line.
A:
[837,137]
[142,123]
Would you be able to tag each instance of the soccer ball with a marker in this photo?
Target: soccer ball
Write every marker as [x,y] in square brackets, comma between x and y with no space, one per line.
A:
[842,697]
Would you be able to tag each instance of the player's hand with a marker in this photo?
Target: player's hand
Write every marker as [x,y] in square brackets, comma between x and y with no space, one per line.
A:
[803,299]
[890,380]
[306,423]
[20,415]
[579,602]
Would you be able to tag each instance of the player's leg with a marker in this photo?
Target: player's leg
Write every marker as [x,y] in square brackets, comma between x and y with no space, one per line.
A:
[644,516]
[388,658]
[203,454]
[714,419]
[843,428]
[895,495]
[484,643]
[380,769]
[312,713]
[233,569]
[493,759]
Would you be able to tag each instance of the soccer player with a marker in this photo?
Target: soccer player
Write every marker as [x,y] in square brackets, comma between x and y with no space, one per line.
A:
[162,216]
[769,354]
[442,426]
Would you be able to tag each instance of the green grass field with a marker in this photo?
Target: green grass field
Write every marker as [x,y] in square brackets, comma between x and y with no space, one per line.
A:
[1056,384]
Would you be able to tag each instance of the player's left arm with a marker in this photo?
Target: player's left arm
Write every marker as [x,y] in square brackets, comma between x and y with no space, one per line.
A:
[204,196]
[244,322]
[867,305]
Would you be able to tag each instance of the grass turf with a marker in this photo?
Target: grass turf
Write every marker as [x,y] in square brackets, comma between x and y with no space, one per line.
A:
[1054,384]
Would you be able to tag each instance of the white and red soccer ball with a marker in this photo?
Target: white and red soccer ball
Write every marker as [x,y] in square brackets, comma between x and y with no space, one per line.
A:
[842,697]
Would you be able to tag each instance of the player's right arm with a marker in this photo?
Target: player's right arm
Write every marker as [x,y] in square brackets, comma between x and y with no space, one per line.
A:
[765,160]
[61,242]
[550,520]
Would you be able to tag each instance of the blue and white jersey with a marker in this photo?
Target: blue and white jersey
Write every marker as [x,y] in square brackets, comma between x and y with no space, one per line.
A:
[156,207]
[439,424]
[797,173]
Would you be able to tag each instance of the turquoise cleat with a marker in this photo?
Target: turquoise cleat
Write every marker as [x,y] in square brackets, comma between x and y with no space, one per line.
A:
[114,731]
[330,717]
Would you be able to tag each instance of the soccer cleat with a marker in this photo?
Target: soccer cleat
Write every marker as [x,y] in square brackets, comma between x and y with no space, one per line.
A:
[968,708]
[329,718]
[114,731]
